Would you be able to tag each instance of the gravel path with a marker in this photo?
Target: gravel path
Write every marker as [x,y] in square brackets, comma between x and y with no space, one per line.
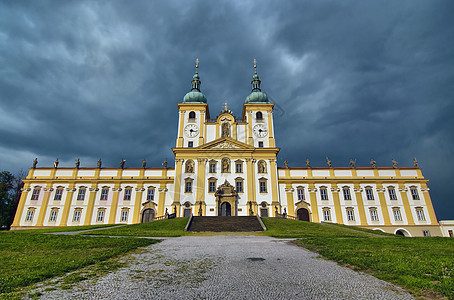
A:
[230,267]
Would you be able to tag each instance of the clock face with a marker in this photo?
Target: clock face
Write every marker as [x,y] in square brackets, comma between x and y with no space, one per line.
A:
[191,130]
[260,130]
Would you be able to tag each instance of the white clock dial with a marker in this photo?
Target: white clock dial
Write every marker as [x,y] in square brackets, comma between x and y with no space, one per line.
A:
[260,130]
[191,130]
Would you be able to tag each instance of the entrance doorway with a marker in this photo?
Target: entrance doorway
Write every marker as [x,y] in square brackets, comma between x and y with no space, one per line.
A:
[147,215]
[303,214]
[226,209]
[187,212]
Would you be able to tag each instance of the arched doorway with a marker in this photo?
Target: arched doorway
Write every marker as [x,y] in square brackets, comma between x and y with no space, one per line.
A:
[303,214]
[226,209]
[147,215]
[402,232]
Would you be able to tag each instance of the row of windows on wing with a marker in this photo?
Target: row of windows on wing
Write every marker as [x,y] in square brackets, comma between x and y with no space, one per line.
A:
[369,193]
[225,166]
[238,185]
[77,213]
[83,190]
[373,214]
[192,116]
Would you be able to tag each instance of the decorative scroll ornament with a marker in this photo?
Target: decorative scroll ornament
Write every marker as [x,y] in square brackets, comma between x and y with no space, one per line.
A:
[225,145]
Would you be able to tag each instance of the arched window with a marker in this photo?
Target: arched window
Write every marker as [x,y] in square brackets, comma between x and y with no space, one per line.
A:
[150,194]
[300,193]
[77,213]
[326,214]
[323,193]
[58,193]
[262,185]
[414,193]
[124,214]
[53,214]
[104,193]
[369,193]
[81,194]
[128,192]
[259,115]
[188,185]
[373,214]
[35,194]
[350,214]
[191,115]
[347,195]
[30,213]
[397,214]
[392,193]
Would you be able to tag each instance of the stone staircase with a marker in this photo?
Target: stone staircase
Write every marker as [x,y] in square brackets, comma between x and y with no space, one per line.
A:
[218,224]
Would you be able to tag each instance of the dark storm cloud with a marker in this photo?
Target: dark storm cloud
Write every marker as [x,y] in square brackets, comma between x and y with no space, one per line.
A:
[350,79]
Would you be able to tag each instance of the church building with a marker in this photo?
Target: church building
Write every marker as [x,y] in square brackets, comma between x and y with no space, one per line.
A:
[226,165]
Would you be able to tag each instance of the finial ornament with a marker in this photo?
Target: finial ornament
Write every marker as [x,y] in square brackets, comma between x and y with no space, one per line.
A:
[415,163]
[122,163]
[286,164]
[77,163]
[56,163]
[197,65]
[99,163]
[165,163]
[144,163]
[225,105]
[255,65]
[328,162]
[35,162]
[352,163]
[308,163]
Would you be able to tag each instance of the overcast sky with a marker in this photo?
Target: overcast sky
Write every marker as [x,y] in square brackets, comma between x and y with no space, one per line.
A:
[350,79]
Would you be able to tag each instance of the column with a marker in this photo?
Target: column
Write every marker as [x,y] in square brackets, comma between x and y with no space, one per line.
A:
[250,165]
[138,201]
[43,208]
[337,207]
[69,197]
[384,207]
[290,202]
[270,130]
[91,203]
[176,200]
[360,203]
[406,203]
[274,186]
[314,207]
[162,198]
[180,131]
[200,199]
[114,205]
[250,139]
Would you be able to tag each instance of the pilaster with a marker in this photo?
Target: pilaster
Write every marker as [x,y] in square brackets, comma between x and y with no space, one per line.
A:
[360,202]
[42,211]
[384,207]
[138,200]
[69,196]
[91,202]
[201,167]
[337,207]
[405,202]
[314,207]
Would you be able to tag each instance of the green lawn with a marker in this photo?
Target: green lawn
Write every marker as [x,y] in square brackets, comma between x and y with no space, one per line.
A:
[161,228]
[284,228]
[27,258]
[418,264]
[64,229]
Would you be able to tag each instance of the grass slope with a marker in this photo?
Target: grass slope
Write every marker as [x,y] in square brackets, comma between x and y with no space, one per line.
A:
[27,258]
[64,229]
[161,228]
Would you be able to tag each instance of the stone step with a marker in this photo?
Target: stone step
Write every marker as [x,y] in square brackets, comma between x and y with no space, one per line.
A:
[218,224]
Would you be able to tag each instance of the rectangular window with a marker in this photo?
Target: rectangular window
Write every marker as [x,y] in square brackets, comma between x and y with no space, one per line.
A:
[239,168]
[323,194]
[81,195]
[373,215]
[76,217]
[190,144]
[212,187]
[350,215]
[239,186]
[53,216]
[100,216]
[326,215]
[300,194]
[35,194]
[450,233]
[262,186]
[58,194]
[264,212]
[420,214]
[29,217]
[104,194]
[188,188]
[369,194]
[392,194]
[347,195]
[127,194]
[397,215]
[260,144]
[212,168]
[414,194]
[426,232]
[150,195]
[124,216]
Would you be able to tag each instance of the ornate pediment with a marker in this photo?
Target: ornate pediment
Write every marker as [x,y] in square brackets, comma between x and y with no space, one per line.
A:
[226,143]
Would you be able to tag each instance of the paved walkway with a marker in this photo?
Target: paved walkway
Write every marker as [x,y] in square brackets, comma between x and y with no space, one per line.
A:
[230,267]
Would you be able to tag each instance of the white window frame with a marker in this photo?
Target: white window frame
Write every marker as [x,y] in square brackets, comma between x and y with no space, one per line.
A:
[211,186]
[392,193]
[53,215]
[263,188]
[373,215]
[104,194]
[420,214]
[127,195]
[81,194]
[124,215]
[239,167]
[150,194]
[397,215]
[76,217]
[414,193]
[369,194]
[323,193]
[426,233]
[58,194]
[239,186]
[188,186]
[35,194]
[350,215]
[30,214]
[212,167]
[100,216]
[326,215]
[346,192]
[300,194]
